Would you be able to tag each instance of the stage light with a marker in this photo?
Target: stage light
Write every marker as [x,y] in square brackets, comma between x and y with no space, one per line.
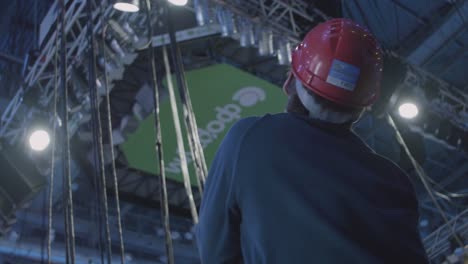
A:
[408,110]
[284,52]
[227,21]
[39,140]
[131,6]
[178,2]
[202,12]
[247,34]
[266,42]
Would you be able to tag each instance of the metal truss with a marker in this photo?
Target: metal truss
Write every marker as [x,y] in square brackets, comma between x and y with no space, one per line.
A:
[40,74]
[286,18]
[450,102]
[9,115]
[140,234]
[438,243]
[145,187]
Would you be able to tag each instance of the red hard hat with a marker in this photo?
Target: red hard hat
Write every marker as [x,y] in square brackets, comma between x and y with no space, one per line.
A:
[340,61]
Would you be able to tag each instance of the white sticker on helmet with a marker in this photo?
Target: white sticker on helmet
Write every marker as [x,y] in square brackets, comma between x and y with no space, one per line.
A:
[319,111]
[343,75]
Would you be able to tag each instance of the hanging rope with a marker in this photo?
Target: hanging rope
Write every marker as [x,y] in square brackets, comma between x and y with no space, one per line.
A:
[158,143]
[189,116]
[97,212]
[111,140]
[192,119]
[97,124]
[52,163]
[96,189]
[69,223]
[423,177]
[180,141]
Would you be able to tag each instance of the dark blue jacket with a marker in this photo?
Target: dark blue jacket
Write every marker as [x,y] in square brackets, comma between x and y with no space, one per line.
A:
[286,189]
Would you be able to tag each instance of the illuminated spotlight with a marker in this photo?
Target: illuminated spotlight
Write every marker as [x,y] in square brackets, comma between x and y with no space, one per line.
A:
[408,110]
[178,2]
[127,5]
[39,140]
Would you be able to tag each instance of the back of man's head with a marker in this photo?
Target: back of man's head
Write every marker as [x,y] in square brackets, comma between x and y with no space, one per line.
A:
[335,72]
[316,107]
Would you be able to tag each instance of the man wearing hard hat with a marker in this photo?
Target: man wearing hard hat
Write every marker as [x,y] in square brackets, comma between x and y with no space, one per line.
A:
[301,187]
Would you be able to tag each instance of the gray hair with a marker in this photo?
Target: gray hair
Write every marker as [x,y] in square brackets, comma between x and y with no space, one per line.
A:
[320,110]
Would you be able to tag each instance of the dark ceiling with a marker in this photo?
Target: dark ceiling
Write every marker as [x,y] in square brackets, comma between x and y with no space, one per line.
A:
[432,35]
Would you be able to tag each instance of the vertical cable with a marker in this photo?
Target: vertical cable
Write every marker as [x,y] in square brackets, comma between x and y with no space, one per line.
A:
[97,188]
[196,137]
[64,186]
[44,216]
[97,114]
[36,28]
[422,175]
[70,232]
[180,141]
[111,142]
[189,116]
[158,142]
[67,221]
[52,163]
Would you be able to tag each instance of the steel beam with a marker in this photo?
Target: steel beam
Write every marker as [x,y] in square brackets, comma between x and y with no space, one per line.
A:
[139,233]
[273,14]
[409,11]
[437,243]
[10,58]
[452,24]
[453,36]
[188,34]
[459,172]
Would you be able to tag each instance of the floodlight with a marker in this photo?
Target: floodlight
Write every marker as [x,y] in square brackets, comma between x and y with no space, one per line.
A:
[408,110]
[178,2]
[39,140]
[131,6]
